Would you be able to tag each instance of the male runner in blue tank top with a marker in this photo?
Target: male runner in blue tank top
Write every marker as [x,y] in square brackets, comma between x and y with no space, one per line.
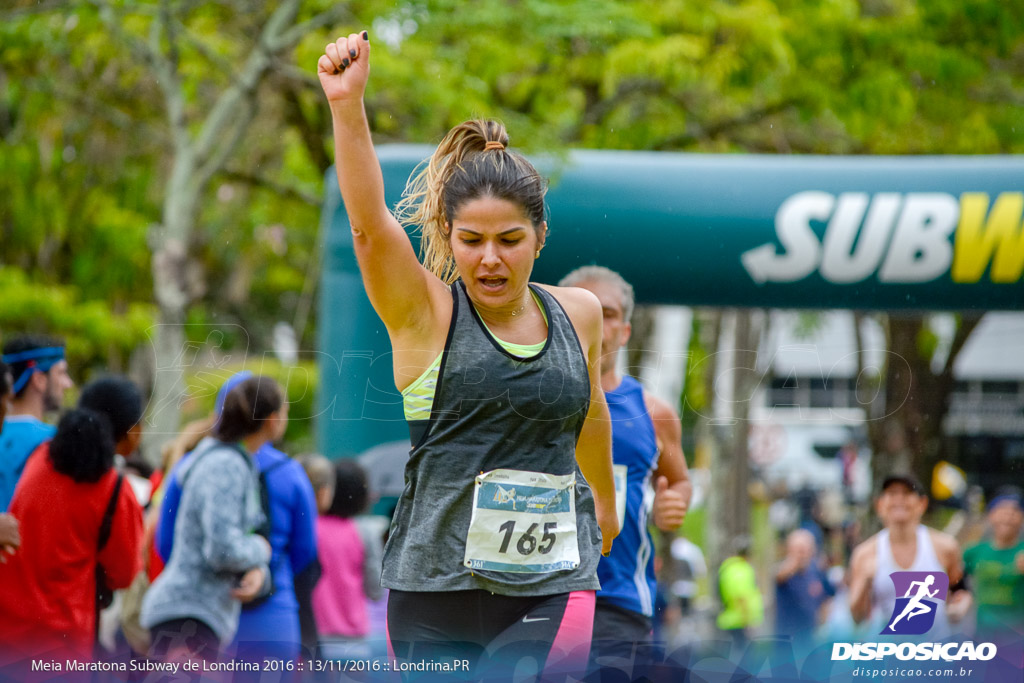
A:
[651,484]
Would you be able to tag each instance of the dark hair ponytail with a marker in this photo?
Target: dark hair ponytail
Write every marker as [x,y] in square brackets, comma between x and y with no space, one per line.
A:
[83,447]
[246,407]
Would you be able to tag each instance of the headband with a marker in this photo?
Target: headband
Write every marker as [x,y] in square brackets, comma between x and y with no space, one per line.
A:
[1005,498]
[36,360]
[227,387]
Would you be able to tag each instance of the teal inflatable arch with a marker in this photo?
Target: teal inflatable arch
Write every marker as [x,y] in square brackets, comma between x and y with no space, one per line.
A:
[883,233]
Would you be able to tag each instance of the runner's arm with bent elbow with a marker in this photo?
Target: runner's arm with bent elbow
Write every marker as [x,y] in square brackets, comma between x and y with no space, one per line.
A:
[594,448]
[672,487]
[396,283]
[960,600]
[863,565]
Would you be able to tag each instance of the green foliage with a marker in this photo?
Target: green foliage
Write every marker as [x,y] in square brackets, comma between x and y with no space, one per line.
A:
[298,381]
[808,324]
[86,145]
[784,76]
[90,330]
[84,166]
[695,400]
[927,343]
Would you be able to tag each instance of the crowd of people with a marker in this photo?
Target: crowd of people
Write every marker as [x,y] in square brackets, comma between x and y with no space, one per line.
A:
[268,556]
[824,595]
[213,555]
[537,468]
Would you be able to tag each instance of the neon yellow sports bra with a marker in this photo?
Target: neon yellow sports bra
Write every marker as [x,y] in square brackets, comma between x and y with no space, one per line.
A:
[418,397]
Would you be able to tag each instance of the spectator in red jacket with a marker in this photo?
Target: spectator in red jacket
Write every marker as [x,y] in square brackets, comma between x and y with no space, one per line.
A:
[48,588]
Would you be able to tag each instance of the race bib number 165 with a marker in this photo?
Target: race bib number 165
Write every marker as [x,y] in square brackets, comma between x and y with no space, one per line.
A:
[523,522]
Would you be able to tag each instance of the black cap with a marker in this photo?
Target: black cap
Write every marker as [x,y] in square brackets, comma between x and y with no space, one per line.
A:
[908,480]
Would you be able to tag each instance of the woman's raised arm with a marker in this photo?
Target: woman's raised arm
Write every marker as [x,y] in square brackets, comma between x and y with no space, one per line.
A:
[398,286]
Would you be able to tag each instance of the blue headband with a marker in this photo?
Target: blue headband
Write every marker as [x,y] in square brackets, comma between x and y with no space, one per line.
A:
[230,384]
[1005,498]
[39,360]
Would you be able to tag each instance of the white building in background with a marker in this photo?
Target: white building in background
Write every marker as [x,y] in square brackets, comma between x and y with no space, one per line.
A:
[806,406]
[986,412]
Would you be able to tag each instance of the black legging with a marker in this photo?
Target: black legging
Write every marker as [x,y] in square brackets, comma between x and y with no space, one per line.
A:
[180,636]
[492,632]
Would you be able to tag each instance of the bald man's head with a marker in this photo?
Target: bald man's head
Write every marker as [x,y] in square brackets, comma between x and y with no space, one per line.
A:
[800,545]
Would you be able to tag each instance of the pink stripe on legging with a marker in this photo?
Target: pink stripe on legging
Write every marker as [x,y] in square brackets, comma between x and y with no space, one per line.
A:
[571,648]
[387,637]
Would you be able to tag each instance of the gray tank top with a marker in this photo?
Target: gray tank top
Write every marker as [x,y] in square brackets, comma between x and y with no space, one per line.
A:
[494,411]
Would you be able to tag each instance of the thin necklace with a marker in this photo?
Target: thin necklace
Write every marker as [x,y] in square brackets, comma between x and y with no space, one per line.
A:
[518,310]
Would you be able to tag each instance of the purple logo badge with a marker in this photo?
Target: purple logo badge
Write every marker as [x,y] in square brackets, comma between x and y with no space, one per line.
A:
[917,596]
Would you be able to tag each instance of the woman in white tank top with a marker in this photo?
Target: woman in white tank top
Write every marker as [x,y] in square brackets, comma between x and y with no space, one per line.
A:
[901,504]
[883,592]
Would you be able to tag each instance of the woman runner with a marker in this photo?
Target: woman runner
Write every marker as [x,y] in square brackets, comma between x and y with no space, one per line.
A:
[508,497]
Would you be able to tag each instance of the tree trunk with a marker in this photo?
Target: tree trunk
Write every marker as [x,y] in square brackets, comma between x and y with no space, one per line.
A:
[908,437]
[729,506]
[197,157]
[170,285]
[168,341]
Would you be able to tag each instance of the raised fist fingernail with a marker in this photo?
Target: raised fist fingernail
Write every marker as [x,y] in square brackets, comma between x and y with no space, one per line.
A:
[345,62]
[352,54]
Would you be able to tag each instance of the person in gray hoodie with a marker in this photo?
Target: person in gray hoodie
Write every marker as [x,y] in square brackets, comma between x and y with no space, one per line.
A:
[221,552]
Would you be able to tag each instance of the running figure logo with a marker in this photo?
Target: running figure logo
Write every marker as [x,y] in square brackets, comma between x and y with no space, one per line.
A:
[502,496]
[914,613]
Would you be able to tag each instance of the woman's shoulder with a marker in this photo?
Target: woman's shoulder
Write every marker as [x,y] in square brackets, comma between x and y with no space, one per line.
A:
[583,309]
[943,543]
[577,302]
[426,326]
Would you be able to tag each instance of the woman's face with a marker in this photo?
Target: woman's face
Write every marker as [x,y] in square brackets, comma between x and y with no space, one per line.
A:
[898,504]
[494,245]
[616,329]
[1006,520]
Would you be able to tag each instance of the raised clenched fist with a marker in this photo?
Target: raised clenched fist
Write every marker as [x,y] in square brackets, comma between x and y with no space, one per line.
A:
[344,67]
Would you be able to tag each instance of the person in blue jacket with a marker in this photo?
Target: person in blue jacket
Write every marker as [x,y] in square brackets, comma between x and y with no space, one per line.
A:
[268,629]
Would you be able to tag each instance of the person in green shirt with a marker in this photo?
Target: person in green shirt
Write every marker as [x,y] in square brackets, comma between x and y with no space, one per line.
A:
[996,569]
[742,604]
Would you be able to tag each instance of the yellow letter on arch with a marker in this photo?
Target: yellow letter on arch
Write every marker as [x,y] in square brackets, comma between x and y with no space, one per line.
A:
[976,238]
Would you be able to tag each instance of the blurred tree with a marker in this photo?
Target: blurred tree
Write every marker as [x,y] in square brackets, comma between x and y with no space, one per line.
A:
[173,150]
[208,65]
[906,414]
